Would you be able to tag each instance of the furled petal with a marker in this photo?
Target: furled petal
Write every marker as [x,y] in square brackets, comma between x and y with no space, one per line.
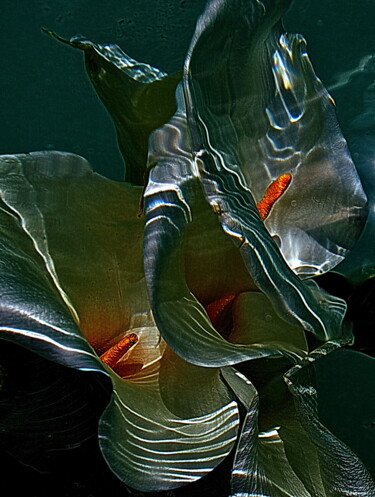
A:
[33,311]
[289,452]
[71,250]
[171,191]
[139,98]
[33,315]
[257,112]
[255,322]
[360,264]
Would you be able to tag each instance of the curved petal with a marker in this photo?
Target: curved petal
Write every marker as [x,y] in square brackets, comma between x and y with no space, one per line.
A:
[139,98]
[170,192]
[45,406]
[169,425]
[150,434]
[256,323]
[33,313]
[42,336]
[257,112]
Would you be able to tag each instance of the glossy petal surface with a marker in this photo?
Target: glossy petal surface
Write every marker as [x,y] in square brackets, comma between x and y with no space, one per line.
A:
[173,202]
[175,210]
[87,232]
[168,425]
[250,190]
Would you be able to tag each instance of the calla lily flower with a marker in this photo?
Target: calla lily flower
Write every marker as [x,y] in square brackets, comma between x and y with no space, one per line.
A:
[188,286]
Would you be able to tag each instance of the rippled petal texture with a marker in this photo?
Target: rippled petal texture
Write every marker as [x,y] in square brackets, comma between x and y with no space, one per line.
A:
[250,112]
[172,201]
[223,115]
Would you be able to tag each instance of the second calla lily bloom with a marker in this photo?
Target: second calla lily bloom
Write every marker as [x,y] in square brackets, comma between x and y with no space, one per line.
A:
[181,290]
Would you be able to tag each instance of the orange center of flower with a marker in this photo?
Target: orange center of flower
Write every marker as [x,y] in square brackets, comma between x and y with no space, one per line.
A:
[273,192]
[114,353]
[216,308]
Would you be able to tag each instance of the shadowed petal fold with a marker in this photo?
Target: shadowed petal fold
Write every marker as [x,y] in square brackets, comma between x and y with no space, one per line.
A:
[45,406]
[169,425]
[173,203]
[250,191]
[86,230]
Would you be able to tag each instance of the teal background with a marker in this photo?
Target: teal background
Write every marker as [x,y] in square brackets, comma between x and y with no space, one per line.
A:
[47,102]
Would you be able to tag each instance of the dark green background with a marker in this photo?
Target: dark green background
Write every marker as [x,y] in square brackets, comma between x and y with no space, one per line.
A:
[47,102]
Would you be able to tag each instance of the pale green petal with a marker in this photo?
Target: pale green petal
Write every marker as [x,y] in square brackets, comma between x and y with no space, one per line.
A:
[256,323]
[46,406]
[33,312]
[43,331]
[62,219]
[176,211]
